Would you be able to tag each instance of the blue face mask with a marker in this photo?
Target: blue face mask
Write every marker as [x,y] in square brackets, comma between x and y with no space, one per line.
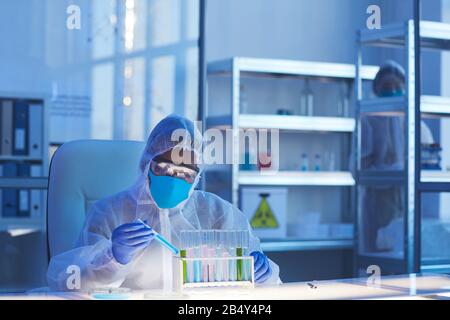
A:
[168,192]
[395,93]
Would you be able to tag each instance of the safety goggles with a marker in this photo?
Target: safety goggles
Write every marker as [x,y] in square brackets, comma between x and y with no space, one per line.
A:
[163,167]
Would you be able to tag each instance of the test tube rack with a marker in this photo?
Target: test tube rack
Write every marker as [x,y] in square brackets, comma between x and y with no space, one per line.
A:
[216,272]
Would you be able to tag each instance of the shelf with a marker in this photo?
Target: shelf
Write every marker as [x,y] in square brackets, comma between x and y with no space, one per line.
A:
[395,106]
[24,183]
[19,226]
[291,123]
[434,35]
[380,177]
[434,105]
[292,67]
[19,158]
[390,106]
[435,176]
[296,178]
[303,245]
[437,268]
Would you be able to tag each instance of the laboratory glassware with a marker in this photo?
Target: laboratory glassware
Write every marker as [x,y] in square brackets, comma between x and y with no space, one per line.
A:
[305,162]
[343,100]
[215,256]
[243,100]
[317,162]
[307,100]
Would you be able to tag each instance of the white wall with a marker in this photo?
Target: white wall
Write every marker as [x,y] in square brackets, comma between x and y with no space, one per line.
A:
[319,30]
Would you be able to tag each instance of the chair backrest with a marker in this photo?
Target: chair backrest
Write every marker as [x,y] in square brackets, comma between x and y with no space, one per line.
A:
[82,172]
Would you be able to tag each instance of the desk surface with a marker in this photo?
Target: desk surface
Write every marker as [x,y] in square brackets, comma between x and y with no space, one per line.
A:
[413,286]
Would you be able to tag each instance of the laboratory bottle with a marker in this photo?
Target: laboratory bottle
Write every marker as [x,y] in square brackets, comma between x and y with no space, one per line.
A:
[307,100]
[331,161]
[243,100]
[317,162]
[305,162]
[343,100]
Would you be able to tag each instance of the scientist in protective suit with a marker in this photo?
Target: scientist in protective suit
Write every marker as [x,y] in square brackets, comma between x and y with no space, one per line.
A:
[383,148]
[116,247]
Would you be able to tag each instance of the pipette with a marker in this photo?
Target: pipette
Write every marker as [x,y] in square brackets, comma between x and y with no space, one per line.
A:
[164,241]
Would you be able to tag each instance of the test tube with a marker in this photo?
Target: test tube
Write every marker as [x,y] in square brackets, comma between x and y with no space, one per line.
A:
[197,265]
[219,268]
[183,254]
[231,246]
[211,255]
[239,253]
[224,251]
[245,245]
[204,254]
[190,253]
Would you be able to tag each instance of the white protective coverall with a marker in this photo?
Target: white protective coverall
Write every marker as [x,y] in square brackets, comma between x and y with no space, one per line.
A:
[153,267]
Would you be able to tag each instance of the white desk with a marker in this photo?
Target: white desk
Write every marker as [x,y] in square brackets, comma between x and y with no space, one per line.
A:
[420,286]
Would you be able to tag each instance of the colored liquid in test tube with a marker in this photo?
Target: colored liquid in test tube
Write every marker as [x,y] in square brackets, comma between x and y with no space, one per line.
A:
[225,275]
[242,250]
[183,254]
[197,240]
[211,254]
[204,254]
[187,251]
[218,253]
[231,246]
[240,253]
[211,245]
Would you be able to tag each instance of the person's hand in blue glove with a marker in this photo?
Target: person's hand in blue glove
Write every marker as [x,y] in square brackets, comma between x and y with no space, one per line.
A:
[262,267]
[128,239]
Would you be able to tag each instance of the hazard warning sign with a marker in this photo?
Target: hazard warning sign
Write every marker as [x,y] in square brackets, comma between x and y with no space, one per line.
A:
[264,217]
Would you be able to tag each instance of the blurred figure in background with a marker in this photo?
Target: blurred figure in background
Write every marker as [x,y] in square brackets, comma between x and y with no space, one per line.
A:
[383,148]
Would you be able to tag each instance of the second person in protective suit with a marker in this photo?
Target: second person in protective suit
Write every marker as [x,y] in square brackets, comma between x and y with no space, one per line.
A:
[116,247]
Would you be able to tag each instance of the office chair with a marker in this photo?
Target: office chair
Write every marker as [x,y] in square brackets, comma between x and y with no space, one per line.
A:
[82,172]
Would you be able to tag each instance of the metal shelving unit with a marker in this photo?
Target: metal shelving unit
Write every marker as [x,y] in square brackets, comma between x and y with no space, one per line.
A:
[413,107]
[296,178]
[20,225]
[287,123]
[234,120]
[296,245]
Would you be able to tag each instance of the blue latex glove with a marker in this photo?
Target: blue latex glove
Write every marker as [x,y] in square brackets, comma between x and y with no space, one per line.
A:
[130,238]
[263,270]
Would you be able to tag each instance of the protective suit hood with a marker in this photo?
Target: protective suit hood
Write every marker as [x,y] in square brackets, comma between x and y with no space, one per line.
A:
[171,132]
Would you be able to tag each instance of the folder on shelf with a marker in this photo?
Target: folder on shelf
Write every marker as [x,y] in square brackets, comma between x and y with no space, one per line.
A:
[9,196]
[35,130]
[20,146]
[6,127]
[23,195]
[36,196]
